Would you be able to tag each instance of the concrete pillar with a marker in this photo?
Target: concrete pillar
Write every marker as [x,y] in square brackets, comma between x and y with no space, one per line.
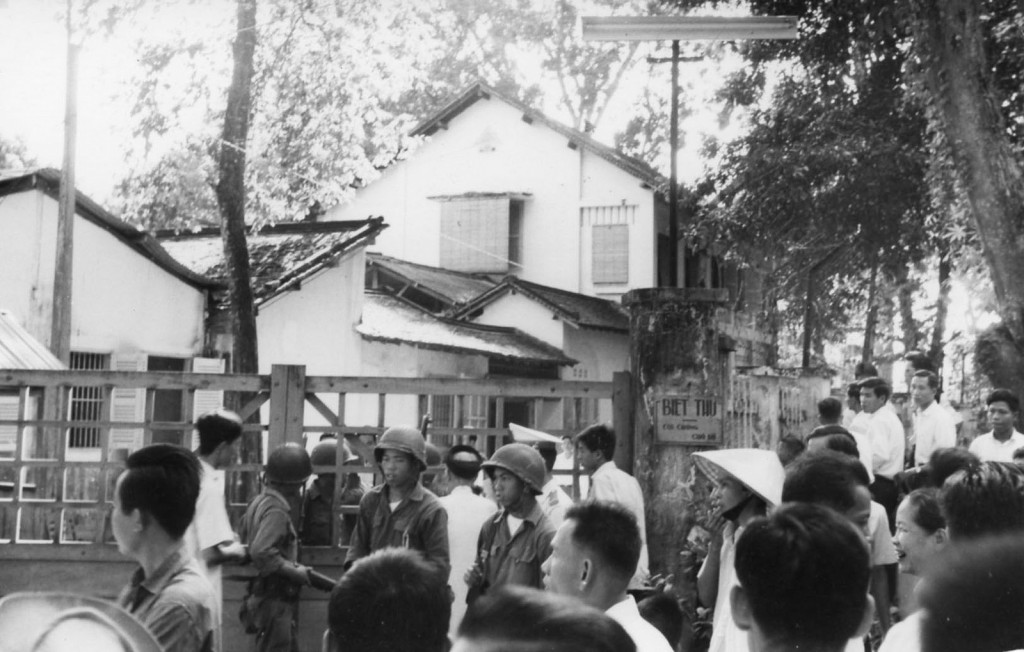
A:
[679,385]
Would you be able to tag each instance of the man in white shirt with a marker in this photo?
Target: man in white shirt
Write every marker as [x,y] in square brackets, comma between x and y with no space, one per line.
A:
[888,444]
[553,501]
[593,557]
[933,424]
[466,514]
[998,445]
[595,450]
[210,538]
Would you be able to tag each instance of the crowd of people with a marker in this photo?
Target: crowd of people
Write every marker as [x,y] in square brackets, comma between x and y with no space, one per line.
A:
[812,548]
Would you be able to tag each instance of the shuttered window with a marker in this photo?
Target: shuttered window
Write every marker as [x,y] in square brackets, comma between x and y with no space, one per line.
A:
[476,236]
[611,253]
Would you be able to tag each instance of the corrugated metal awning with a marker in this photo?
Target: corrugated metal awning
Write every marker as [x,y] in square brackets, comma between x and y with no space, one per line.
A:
[19,350]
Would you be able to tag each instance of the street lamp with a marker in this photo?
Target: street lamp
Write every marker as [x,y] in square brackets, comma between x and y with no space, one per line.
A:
[683,28]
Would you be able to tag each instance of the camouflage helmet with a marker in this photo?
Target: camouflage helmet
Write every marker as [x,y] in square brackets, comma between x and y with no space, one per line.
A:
[289,464]
[404,439]
[522,461]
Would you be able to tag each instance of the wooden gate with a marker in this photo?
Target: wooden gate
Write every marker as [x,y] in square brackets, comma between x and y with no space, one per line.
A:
[56,485]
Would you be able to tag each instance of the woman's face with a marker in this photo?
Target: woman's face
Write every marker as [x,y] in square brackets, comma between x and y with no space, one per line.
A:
[731,492]
[915,546]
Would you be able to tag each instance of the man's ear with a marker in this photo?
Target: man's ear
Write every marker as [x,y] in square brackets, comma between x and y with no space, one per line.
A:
[866,619]
[586,573]
[741,612]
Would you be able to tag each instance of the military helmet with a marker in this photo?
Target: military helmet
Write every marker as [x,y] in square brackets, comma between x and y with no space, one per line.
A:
[325,453]
[522,461]
[289,464]
[404,439]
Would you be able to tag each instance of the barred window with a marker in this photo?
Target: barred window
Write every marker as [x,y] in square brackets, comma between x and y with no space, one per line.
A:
[86,402]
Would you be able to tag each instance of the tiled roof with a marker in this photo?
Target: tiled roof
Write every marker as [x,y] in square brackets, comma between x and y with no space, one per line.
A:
[451,287]
[390,319]
[578,309]
[479,90]
[280,256]
[48,181]
[19,350]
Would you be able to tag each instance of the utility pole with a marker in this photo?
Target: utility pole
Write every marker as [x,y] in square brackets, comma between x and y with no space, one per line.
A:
[60,329]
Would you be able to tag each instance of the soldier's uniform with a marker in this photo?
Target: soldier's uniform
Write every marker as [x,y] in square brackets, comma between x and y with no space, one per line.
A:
[271,605]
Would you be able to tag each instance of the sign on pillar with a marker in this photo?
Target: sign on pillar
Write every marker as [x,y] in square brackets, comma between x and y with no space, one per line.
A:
[688,419]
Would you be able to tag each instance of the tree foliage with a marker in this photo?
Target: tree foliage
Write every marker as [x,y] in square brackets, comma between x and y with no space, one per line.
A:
[337,86]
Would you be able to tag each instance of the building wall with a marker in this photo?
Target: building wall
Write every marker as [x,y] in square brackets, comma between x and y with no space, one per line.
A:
[489,148]
[517,311]
[122,302]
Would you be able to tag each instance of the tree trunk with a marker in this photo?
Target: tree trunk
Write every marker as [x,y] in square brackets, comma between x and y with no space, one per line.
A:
[231,192]
[965,114]
[935,349]
[871,320]
[905,298]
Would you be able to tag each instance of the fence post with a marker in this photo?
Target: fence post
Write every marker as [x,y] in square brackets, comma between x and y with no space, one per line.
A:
[287,404]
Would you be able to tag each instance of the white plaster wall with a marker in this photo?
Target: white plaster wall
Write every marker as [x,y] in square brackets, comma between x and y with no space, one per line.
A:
[488,148]
[122,302]
[315,326]
[527,315]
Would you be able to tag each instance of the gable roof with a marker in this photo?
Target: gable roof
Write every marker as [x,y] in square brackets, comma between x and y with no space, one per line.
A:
[281,256]
[448,287]
[19,350]
[387,318]
[576,309]
[480,91]
[47,180]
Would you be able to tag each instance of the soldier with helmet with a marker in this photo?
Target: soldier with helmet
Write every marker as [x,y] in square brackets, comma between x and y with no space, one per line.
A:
[318,514]
[270,607]
[400,513]
[513,544]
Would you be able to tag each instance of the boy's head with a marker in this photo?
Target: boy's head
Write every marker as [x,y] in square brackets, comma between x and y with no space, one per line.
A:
[463,462]
[1002,409]
[789,448]
[158,488]
[392,600]
[517,473]
[595,446]
[874,392]
[218,433]
[830,410]
[401,455]
[831,479]
[982,500]
[803,579]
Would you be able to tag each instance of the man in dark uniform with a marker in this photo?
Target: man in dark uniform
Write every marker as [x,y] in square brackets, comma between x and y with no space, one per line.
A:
[400,513]
[271,605]
[319,516]
[514,544]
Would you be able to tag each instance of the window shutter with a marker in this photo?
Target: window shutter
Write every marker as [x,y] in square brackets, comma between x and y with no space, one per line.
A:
[127,404]
[611,253]
[8,433]
[475,234]
[206,400]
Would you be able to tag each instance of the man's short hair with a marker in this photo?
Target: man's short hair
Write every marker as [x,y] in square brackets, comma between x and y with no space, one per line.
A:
[878,387]
[975,598]
[463,461]
[853,391]
[864,370]
[1005,396]
[793,445]
[830,409]
[599,437]
[521,619]
[392,600]
[930,376]
[842,443]
[609,530]
[216,428]
[927,512]
[982,500]
[162,482]
[944,462]
[826,478]
[805,571]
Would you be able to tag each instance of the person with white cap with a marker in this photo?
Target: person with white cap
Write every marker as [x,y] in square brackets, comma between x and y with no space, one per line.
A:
[748,483]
